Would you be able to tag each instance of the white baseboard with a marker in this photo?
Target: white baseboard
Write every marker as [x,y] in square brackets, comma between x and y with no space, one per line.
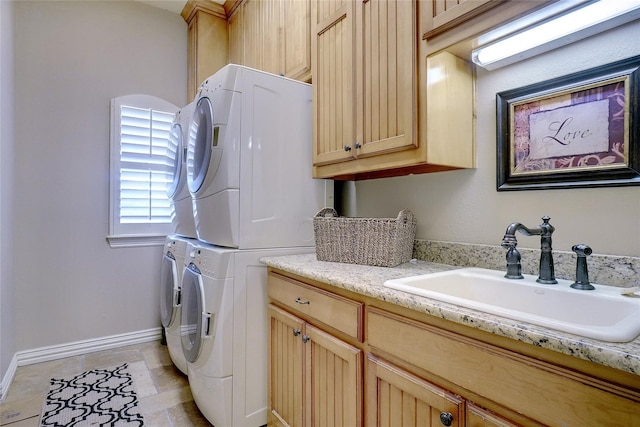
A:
[8,377]
[54,352]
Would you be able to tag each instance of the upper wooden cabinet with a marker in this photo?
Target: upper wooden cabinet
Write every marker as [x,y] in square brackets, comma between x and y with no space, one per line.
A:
[454,25]
[333,68]
[370,96]
[365,81]
[296,39]
[208,42]
[443,15]
[273,36]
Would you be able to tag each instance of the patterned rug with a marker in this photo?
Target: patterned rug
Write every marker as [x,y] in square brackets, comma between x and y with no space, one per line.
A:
[101,397]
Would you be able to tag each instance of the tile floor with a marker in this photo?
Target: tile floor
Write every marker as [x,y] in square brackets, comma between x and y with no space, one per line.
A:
[162,389]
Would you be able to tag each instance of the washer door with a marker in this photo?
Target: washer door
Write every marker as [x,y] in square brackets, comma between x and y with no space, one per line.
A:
[200,144]
[169,289]
[174,159]
[191,317]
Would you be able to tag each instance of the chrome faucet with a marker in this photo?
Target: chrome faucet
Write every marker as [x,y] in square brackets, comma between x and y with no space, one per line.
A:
[514,268]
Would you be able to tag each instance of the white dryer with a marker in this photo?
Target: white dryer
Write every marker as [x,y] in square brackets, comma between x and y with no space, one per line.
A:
[224,327]
[173,260]
[177,189]
[249,161]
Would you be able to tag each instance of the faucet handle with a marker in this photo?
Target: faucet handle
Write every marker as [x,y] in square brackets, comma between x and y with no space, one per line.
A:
[546,227]
[514,268]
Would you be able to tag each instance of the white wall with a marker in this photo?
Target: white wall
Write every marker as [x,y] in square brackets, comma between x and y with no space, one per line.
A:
[7,330]
[71,59]
[464,206]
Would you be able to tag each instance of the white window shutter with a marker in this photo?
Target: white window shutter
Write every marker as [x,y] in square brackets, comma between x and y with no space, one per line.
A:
[141,160]
[144,165]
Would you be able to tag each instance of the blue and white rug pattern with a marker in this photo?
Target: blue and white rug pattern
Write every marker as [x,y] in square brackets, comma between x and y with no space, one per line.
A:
[100,397]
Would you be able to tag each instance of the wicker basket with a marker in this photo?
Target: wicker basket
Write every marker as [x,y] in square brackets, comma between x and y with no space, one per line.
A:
[384,242]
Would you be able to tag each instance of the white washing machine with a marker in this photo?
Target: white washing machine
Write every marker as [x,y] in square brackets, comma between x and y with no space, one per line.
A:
[177,189]
[173,262]
[249,161]
[224,332]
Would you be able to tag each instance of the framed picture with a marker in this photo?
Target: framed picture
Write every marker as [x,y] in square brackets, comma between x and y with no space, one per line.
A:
[580,130]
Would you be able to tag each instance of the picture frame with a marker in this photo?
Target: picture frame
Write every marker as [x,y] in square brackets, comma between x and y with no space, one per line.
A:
[577,131]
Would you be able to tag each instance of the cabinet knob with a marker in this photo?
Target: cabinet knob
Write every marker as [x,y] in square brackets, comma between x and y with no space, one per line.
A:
[347,147]
[296,332]
[357,145]
[305,338]
[446,418]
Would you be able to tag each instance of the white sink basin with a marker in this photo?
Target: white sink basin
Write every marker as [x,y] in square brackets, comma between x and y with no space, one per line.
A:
[603,313]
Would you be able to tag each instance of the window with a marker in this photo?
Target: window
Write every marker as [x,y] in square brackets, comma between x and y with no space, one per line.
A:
[141,159]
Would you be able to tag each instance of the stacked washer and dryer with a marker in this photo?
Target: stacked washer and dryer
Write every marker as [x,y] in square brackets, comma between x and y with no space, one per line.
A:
[176,245]
[249,175]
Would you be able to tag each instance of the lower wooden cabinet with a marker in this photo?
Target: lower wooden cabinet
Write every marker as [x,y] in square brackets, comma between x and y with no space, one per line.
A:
[315,379]
[395,397]
[540,392]
[334,380]
[343,359]
[286,369]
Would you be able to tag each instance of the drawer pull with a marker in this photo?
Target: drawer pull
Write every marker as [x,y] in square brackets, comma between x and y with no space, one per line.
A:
[446,418]
[296,332]
[301,301]
[305,338]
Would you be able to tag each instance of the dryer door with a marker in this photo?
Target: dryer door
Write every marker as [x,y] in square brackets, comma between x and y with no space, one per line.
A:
[169,289]
[191,317]
[174,159]
[201,140]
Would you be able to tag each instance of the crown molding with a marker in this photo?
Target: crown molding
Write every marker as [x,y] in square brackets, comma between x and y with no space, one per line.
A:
[192,7]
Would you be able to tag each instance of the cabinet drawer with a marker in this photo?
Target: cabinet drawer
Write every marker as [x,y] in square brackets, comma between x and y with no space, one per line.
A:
[330,309]
[526,385]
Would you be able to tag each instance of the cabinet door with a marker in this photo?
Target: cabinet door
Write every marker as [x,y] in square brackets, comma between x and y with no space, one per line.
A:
[334,389]
[286,367]
[333,80]
[252,32]
[296,38]
[254,35]
[386,75]
[443,15]
[398,398]
[236,37]
[207,33]
[270,36]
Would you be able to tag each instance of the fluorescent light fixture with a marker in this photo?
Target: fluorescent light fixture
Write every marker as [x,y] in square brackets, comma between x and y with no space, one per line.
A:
[589,19]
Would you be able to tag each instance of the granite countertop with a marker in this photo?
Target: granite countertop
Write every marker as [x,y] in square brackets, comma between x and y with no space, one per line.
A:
[368,280]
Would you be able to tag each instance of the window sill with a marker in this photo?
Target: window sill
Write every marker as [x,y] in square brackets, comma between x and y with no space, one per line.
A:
[135,240]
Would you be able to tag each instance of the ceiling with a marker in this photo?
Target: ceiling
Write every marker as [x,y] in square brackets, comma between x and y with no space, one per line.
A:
[174,6]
